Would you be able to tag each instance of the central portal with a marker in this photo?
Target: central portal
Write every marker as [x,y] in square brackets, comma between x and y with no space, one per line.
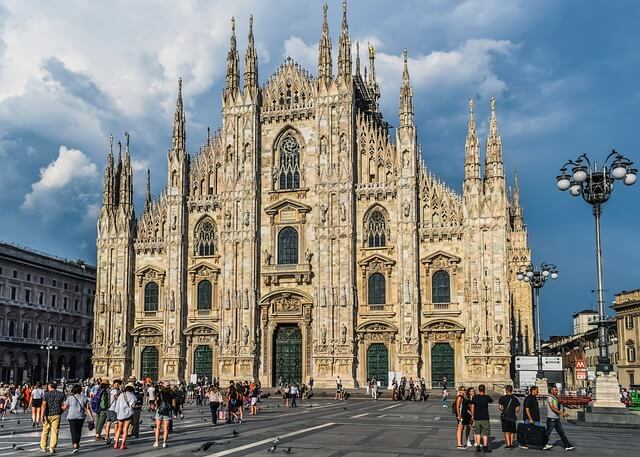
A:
[442,364]
[378,363]
[287,354]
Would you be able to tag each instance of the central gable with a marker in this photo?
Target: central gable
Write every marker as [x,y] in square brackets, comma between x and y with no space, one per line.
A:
[290,87]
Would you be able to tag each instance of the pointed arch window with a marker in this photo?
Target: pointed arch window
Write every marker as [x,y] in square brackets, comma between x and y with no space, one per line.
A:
[440,287]
[289,170]
[204,295]
[376,290]
[287,246]
[151,297]
[205,239]
[376,229]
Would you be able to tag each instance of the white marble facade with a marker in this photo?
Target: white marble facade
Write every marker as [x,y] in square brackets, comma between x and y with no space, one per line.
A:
[303,210]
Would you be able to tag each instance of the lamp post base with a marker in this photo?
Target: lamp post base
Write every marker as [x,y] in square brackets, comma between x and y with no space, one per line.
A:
[606,391]
[542,385]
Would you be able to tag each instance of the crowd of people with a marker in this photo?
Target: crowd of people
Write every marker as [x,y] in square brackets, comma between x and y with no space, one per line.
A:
[113,409]
[471,410]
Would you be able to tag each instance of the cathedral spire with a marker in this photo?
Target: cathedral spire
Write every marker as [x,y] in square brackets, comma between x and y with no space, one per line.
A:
[344,46]
[147,198]
[357,58]
[251,61]
[518,223]
[125,183]
[471,147]
[406,95]
[233,76]
[494,166]
[107,196]
[179,130]
[325,66]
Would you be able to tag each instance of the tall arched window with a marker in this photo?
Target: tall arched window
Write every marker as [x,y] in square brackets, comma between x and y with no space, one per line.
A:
[287,246]
[25,330]
[289,172]
[151,297]
[204,242]
[204,295]
[376,229]
[39,331]
[376,289]
[440,287]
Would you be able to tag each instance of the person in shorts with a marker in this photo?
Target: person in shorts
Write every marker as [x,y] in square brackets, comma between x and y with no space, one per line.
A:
[480,419]
[165,403]
[112,415]
[509,406]
[37,394]
[462,416]
[124,407]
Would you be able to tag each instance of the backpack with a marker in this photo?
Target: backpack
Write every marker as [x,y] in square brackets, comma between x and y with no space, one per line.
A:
[95,401]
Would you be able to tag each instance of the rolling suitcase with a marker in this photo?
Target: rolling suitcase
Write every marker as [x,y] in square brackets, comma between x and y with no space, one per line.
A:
[531,435]
[222,415]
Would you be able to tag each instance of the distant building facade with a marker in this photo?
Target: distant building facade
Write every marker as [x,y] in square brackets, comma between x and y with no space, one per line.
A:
[304,240]
[627,308]
[41,297]
[582,347]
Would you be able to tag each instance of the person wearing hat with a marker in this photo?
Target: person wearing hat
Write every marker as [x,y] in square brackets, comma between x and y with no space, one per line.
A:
[124,407]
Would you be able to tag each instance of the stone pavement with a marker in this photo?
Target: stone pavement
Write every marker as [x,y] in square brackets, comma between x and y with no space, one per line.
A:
[319,427]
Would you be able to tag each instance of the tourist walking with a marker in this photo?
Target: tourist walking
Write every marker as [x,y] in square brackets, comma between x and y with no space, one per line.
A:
[553,420]
[78,407]
[112,415]
[480,417]
[100,406]
[165,403]
[530,416]
[254,398]
[509,406]
[52,408]
[215,400]
[293,393]
[443,396]
[36,402]
[125,404]
[151,397]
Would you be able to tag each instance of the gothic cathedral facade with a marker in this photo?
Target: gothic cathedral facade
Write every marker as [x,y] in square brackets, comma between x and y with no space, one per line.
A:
[304,240]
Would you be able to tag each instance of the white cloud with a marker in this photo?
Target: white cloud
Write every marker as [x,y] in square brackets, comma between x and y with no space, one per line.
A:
[71,168]
[305,54]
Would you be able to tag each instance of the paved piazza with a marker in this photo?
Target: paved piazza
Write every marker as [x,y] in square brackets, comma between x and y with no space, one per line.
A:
[321,427]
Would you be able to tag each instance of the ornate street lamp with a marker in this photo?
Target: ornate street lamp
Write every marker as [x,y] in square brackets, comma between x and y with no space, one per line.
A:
[595,184]
[48,345]
[537,280]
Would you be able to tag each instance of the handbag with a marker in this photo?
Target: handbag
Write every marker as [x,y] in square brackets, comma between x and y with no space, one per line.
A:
[91,425]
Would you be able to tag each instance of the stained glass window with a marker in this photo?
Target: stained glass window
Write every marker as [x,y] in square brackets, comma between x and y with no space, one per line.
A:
[289,172]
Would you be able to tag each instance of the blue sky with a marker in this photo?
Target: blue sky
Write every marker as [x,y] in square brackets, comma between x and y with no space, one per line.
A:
[565,77]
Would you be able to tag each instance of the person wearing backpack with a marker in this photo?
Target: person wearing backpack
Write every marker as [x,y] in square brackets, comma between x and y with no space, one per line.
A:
[78,407]
[112,415]
[166,403]
[100,405]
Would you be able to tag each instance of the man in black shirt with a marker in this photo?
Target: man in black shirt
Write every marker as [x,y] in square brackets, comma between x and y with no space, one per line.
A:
[509,407]
[531,411]
[480,418]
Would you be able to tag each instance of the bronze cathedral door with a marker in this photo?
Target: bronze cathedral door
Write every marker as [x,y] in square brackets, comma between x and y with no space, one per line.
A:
[287,354]
[442,364]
